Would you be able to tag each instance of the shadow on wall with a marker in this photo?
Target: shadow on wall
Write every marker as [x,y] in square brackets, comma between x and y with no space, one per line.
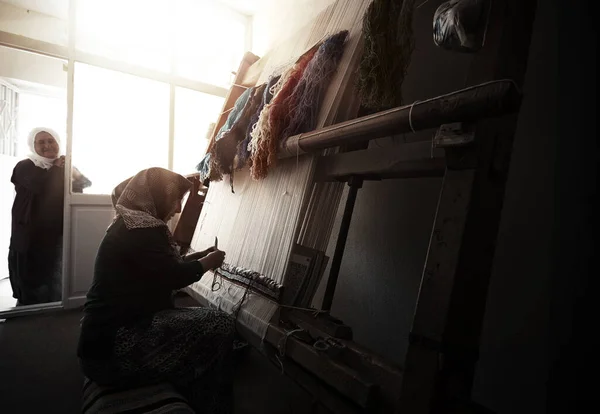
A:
[389,234]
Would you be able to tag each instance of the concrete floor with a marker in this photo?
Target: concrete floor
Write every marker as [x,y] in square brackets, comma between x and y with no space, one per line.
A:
[39,371]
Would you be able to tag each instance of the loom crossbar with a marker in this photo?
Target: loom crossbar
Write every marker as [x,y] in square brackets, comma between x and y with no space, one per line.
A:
[400,161]
[487,100]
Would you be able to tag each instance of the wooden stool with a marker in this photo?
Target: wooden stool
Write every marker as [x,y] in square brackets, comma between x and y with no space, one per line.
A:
[153,399]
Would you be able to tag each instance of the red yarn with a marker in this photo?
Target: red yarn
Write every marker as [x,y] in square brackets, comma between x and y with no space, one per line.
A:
[280,113]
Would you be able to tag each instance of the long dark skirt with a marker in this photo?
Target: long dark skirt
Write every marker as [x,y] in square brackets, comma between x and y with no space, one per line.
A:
[190,348]
[36,275]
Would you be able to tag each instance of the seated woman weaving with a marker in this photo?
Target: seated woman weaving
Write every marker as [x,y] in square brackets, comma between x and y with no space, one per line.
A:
[131,333]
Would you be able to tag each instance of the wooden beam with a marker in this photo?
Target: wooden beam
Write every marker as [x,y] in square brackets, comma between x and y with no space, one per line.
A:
[398,161]
[444,341]
[323,394]
[324,325]
[339,376]
[470,104]
[188,219]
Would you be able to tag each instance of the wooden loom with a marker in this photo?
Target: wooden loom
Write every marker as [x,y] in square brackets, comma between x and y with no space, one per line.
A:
[443,344]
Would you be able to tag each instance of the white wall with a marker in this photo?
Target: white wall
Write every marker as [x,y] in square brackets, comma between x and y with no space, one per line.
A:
[30,67]
[32,24]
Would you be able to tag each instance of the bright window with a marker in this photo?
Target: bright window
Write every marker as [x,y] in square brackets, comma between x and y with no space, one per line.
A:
[132,31]
[120,126]
[209,41]
[204,40]
[194,114]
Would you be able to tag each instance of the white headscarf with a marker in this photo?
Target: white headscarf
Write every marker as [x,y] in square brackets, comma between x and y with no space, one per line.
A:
[38,160]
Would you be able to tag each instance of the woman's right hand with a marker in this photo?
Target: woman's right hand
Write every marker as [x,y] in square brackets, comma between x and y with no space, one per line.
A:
[213,260]
[60,161]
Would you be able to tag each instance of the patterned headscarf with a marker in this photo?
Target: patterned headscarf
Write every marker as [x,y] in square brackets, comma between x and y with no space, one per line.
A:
[145,199]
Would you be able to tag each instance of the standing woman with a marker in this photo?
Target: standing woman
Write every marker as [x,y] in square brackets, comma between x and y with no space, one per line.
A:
[35,251]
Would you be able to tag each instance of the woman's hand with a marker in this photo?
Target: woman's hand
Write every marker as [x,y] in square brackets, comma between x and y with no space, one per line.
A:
[198,255]
[213,260]
[60,161]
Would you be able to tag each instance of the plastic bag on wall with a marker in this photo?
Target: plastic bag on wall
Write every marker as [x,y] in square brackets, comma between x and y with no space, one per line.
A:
[460,25]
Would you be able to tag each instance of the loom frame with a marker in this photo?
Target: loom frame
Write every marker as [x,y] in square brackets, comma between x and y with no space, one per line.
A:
[440,363]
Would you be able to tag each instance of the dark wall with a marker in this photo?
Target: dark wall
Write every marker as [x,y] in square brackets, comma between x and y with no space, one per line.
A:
[388,239]
[387,243]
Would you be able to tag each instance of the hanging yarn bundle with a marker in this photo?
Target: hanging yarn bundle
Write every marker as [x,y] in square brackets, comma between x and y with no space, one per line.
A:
[277,117]
[244,146]
[388,45]
[216,167]
[209,166]
[224,151]
[261,132]
[305,102]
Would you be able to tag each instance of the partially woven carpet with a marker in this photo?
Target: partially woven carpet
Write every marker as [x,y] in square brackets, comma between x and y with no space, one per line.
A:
[154,399]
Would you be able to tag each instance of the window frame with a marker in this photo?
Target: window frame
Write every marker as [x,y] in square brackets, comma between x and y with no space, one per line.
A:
[70,54]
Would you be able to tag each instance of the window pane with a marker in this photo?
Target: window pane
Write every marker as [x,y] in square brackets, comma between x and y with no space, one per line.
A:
[33,94]
[132,31]
[194,114]
[120,126]
[209,42]
[39,20]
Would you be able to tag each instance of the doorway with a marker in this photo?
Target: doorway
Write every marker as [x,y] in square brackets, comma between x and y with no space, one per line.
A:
[33,93]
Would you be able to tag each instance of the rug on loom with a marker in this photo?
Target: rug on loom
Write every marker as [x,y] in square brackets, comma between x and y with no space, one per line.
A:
[259,224]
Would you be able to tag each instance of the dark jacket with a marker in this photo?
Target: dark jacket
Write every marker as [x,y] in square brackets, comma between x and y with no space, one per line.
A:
[37,212]
[135,274]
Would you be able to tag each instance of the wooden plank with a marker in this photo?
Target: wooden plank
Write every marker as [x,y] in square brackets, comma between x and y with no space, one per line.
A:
[388,376]
[383,398]
[188,219]
[323,325]
[444,342]
[399,161]
[421,361]
[323,394]
[252,74]
[339,376]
